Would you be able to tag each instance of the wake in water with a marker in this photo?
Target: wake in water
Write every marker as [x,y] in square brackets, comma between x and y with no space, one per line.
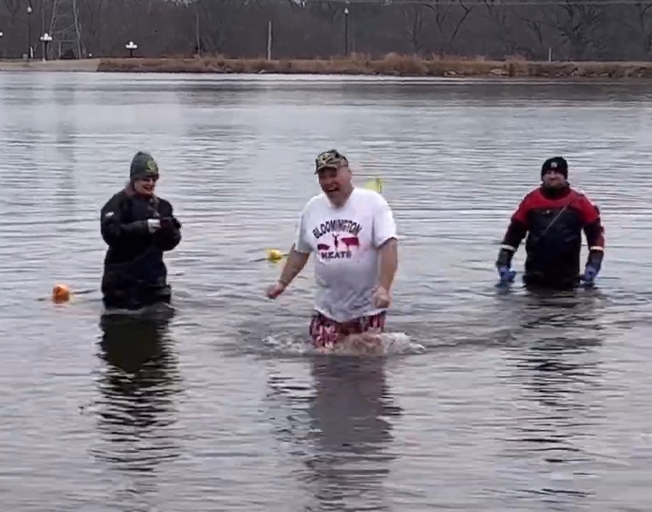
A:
[361,345]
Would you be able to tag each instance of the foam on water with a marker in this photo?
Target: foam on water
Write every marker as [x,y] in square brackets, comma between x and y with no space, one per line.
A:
[396,343]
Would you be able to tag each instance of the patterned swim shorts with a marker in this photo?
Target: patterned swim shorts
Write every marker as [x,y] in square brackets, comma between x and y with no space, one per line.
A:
[326,332]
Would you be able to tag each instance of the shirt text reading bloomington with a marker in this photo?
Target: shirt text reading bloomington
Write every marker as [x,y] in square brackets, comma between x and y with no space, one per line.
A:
[337,225]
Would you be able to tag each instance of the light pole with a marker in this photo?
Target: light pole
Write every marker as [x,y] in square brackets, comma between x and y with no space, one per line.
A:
[1,34]
[346,31]
[131,46]
[29,32]
[46,39]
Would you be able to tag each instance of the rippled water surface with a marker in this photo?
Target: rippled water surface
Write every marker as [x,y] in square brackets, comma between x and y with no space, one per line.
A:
[495,401]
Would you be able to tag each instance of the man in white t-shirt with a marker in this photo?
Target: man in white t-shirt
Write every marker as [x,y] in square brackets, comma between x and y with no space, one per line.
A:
[353,235]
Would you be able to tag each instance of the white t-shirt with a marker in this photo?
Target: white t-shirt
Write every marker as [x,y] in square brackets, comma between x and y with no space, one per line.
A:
[345,242]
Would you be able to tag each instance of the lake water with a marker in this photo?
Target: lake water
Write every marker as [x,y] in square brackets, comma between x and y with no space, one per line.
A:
[490,401]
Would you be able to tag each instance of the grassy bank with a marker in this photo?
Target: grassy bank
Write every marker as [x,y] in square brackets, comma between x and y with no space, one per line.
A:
[392,65]
[86,65]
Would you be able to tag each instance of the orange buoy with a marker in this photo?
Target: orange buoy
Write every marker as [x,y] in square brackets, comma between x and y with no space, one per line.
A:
[60,293]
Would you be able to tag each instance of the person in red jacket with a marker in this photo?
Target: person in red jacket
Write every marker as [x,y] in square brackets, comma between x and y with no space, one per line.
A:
[553,217]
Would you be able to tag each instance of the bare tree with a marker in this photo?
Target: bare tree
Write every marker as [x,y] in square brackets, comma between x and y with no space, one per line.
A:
[578,23]
[641,25]
[449,18]
[414,24]
[13,7]
[573,29]
[533,34]
[90,15]
[502,27]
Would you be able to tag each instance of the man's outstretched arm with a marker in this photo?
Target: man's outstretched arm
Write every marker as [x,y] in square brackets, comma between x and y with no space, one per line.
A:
[293,266]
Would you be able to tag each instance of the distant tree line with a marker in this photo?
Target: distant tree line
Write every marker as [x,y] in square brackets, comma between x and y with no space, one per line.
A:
[533,29]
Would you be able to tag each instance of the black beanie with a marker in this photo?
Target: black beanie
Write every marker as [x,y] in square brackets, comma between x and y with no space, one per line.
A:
[557,163]
[143,165]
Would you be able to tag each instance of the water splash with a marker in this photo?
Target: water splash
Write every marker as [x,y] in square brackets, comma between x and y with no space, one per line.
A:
[392,343]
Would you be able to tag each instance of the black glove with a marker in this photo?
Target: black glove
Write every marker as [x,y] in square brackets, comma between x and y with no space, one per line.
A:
[169,223]
[139,227]
[504,258]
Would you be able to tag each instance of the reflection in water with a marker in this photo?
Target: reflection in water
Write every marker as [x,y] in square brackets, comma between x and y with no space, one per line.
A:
[557,370]
[346,433]
[574,310]
[137,410]
[65,144]
[20,168]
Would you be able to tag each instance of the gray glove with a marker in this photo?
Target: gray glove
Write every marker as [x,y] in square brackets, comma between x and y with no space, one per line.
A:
[153,225]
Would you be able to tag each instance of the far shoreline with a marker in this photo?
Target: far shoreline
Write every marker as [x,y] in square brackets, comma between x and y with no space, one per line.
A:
[391,65]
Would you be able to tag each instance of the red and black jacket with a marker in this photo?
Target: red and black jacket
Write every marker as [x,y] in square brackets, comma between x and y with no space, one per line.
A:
[553,221]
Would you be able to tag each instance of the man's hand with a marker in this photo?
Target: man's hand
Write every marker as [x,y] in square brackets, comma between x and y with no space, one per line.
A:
[381,298]
[275,290]
[506,274]
[590,273]
[294,264]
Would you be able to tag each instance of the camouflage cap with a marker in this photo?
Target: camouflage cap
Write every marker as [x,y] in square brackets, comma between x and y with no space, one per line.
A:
[143,165]
[331,159]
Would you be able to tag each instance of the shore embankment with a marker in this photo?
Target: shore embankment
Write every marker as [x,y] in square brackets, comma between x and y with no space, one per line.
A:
[391,65]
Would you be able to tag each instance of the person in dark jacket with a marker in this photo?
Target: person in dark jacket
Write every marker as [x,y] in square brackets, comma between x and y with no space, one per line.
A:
[553,217]
[138,227]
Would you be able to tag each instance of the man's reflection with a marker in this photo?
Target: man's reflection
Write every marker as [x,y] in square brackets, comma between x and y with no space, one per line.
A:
[138,384]
[557,368]
[349,433]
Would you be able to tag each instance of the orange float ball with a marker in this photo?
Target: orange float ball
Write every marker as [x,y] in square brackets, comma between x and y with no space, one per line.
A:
[60,293]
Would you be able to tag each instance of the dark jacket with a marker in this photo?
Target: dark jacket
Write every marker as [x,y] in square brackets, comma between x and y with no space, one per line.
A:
[134,272]
[553,221]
